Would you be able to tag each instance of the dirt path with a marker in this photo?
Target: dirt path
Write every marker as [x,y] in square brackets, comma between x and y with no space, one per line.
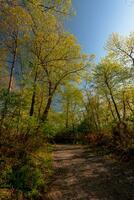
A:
[81,175]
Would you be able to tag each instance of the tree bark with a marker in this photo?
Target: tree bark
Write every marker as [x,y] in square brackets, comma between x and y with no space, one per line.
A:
[109,103]
[124,106]
[67,114]
[13,64]
[113,100]
[47,108]
[33,95]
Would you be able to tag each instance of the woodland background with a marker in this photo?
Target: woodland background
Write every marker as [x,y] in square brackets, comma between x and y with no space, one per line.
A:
[51,92]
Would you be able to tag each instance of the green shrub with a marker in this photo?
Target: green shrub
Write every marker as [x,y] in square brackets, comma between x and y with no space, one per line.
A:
[27,178]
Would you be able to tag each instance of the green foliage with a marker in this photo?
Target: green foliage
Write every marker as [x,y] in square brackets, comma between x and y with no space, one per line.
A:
[32,70]
[84,127]
[49,130]
[26,178]
[50,91]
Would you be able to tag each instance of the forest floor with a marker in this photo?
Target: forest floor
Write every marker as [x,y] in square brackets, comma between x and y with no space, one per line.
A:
[81,174]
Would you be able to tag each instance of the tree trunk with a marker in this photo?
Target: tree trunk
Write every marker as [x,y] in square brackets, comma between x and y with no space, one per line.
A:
[33,96]
[109,103]
[12,66]
[113,100]
[124,106]
[116,109]
[67,114]
[32,104]
[47,108]
[40,105]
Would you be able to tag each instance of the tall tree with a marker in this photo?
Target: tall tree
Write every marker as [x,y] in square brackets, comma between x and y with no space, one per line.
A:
[108,75]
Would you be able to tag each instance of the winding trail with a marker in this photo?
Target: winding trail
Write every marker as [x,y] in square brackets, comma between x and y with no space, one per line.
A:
[81,175]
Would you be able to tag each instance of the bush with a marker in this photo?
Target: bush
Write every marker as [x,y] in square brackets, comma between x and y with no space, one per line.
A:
[97,139]
[22,170]
[26,178]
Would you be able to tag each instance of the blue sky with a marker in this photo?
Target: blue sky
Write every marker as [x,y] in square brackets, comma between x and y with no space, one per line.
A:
[95,20]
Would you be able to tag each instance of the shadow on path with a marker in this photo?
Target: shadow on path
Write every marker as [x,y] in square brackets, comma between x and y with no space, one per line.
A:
[81,175]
